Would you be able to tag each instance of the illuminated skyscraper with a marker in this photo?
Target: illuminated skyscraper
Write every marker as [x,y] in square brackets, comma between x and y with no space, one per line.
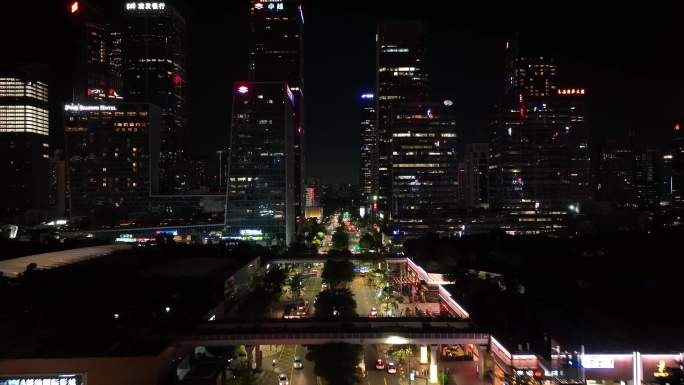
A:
[97,66]
[24,143]
[677,167]
[401,78]
[424,169]
[276,55]
[261,170]
[368,176]
[153,69]
[112,157]
[539,157]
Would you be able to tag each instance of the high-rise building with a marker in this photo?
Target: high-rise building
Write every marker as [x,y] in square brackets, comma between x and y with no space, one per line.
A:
[276,55]
[424,169]
[400,78]
[634,175]
[648,170]
[24,142]
[677,167]
[539,148]
[368,175]
[97,66]
[261,170]
[153,69]
[618,173]
[112,156]
[473,177]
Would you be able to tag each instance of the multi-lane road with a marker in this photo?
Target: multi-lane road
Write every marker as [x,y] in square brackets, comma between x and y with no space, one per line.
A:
[461,373]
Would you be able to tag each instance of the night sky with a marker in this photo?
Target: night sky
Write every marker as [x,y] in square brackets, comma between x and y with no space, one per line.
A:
[629,59]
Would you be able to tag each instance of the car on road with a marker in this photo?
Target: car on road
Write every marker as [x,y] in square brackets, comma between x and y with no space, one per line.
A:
[297,362]
[373,312]
[282,380]
[391,368]
[379,364]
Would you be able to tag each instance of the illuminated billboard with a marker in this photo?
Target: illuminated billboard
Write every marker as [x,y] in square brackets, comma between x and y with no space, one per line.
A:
[55,379]
[597,361]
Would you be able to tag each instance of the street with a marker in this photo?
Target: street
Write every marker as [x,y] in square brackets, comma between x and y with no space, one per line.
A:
[365,296]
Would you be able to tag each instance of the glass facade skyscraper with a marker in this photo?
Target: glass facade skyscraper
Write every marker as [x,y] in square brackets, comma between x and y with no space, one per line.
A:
[539,155]
[24,143]
[153,70]
[401,78]
[261,169]
[276,55]
[424,169]
[368,173]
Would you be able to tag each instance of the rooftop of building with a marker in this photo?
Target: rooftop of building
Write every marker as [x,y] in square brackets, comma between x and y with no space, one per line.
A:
[127,303]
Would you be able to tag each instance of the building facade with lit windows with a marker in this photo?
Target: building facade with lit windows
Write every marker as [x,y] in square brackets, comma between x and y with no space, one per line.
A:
[368,173]
[676,162]
[400,78]
[424,169]
[277,55]
[24,143]
[473,176]
[112,158]
[260,196]
[540,161]
[153,36]
[97,67]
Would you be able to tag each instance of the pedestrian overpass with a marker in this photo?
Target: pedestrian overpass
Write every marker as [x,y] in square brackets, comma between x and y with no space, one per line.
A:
[356,331]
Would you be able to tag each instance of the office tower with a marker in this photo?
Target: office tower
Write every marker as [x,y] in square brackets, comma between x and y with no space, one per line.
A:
[677,167]
[539,148]
[647,173]
[24,142]
[368,175]
[276,55]
[473,178]
[424,169]
[540,161]
[400,78]
[97,66]
[261,170]
[618,173]
[112,159]
[153,69]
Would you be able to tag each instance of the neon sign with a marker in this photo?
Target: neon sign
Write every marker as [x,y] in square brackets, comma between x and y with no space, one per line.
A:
[367,96]
[74,7]
[81,107]
[243,89]
[145,6]
[571,91]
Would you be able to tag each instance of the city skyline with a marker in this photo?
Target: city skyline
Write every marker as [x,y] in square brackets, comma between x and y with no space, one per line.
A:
[469,59]
[309,192]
